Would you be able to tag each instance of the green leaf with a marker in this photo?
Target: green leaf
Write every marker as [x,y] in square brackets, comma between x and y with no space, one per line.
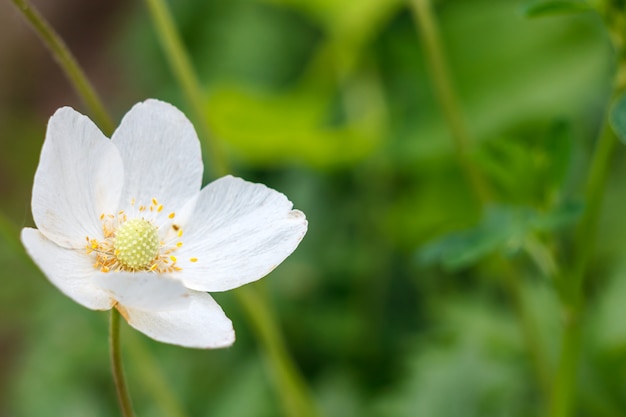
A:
[500,228]
[555,7]
[504,229]
[560,217]
[528,166]
[618,118]
[476,356]
[268,129]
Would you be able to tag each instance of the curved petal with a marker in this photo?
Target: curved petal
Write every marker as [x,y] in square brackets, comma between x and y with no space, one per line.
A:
[144,290]
[238,233]
[79,177]
[202,325]
[68,269]
[161,154]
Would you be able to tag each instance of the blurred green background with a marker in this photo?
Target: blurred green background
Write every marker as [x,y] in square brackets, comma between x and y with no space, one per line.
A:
[387,308]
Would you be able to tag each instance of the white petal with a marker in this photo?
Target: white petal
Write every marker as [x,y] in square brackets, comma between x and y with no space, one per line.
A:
[144,290]
[161,154]
[202,325]
[79,177]
[70,270]
[239,232]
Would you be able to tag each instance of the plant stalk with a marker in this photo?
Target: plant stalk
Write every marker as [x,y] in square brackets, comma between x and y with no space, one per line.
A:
[434,52]
[183,71]
[68,63]
[429,33]
[572,285]
[116,362]
[291,388]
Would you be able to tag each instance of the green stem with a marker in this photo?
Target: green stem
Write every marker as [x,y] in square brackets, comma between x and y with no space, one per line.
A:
[572,285]
[290,384]
[563,397]
[564,382]
[294,394]
[116,362]
[183,70]
[586,236]
[69,64]
[98,112]
[427,27]
[142,361]
[429,33]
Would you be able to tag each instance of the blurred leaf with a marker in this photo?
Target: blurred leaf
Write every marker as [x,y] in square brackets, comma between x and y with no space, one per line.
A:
[497,89]
[617,117]
[529,166]
[562,216]
[472,369]
[555,7]
[291,127]
[354,19]
[503,229]
[499,227]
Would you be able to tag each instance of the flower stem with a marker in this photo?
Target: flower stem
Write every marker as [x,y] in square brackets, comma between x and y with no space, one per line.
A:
[183,70]
[98,112]
[572,284]
[427,27]
[290,384]
[152,377]
[116,362]
[294,394]
[66,60]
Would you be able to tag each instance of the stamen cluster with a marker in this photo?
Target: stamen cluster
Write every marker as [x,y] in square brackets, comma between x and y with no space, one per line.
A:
[132,243]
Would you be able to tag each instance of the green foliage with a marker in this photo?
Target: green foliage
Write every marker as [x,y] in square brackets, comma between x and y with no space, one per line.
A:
[531,167]
[471,367]
[331,103]
[504,230]
[537,8]
[294,127]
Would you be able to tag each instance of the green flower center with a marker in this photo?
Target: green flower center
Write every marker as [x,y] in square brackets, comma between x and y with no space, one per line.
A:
[136,244]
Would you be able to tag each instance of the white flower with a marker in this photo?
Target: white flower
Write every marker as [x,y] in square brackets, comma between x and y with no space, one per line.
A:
[123,223]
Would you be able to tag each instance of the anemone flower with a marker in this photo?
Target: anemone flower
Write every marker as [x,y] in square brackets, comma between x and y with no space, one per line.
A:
[124,223]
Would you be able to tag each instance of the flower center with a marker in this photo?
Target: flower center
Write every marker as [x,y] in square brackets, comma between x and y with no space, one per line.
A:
[132,242]
[136,244]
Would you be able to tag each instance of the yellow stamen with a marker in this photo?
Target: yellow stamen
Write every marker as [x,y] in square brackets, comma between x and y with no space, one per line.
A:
[130,243]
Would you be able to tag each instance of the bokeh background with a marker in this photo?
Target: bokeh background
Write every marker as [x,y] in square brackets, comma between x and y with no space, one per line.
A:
[384,310]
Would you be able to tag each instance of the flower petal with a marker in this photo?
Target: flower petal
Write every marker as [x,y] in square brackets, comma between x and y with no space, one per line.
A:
[202,325]
[79,177]
[69,270]
[144,290]
[238,233]
[161,154]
